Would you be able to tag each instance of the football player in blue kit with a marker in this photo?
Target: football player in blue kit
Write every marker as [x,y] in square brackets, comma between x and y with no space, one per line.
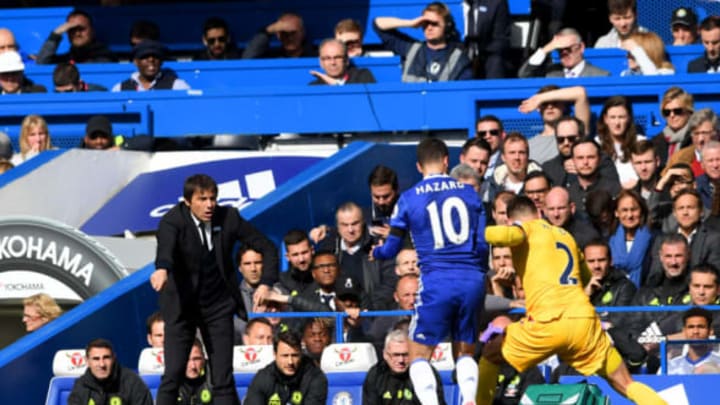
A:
[446,221]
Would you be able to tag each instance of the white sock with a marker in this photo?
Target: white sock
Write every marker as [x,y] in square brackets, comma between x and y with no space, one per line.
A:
[424,382]
[466,370]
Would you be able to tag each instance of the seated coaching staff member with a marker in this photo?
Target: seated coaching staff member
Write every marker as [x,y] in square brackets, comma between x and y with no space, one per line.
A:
[198,288]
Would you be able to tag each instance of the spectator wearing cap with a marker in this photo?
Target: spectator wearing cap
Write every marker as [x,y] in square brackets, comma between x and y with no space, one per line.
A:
[66,78]
[709,62]
[98,133]
[349,298]
[84,47]
[12,76]
[684,26]
[148,57]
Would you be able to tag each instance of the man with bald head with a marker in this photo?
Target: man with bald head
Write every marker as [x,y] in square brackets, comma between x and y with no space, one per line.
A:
[560,211]
[337,70]
[7,41]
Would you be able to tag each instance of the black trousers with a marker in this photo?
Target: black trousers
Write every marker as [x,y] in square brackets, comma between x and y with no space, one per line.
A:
[216,327]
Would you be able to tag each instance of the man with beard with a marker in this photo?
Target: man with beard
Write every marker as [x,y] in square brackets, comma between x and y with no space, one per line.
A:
[586,159]
[561,169]
[84,47]
[291,379]
[299,253]
[553,102]
[218,42]
[388,382]
[148,56]
[106,382]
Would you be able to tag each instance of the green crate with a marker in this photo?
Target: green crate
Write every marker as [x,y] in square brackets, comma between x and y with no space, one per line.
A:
[564,394]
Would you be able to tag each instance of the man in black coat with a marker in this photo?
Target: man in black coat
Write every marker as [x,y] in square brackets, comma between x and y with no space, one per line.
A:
[709,62]
[292,378]
[106,382]
[338,70]
[198,288]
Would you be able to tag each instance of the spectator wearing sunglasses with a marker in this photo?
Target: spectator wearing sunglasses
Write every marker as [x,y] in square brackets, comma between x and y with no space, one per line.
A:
[676,108]
[552,103]
[84,47]
[218,41]
[66,78]
[561,169]
[490,128]
[571,49]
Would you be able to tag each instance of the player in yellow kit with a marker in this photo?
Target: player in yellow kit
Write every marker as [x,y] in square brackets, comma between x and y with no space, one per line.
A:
[559,318]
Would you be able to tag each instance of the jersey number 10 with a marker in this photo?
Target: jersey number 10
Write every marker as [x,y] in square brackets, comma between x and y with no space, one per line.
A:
[441,222]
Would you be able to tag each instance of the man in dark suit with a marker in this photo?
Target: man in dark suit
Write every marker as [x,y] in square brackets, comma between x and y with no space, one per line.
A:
[709,62]
[572,59]
[198,288]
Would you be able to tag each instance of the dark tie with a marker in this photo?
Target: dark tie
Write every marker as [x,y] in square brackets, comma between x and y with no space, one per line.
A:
[204,237]
[326,298]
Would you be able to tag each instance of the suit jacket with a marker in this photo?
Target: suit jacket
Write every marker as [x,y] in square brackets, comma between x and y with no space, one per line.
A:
[557,70]
[703,250]
[180,251]
[700,64]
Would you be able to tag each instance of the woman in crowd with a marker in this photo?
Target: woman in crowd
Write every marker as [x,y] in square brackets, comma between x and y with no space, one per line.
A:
[38,310]
[646,55]
[34,138]
[676,107]
[630,237]
[617,134]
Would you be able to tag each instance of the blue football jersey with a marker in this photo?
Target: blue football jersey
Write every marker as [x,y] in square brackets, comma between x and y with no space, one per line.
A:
[446,221]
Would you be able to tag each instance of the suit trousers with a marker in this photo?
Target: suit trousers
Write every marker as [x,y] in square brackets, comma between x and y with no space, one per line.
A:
[215,323]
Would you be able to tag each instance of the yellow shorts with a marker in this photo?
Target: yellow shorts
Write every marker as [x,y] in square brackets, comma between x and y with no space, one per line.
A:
[579,342]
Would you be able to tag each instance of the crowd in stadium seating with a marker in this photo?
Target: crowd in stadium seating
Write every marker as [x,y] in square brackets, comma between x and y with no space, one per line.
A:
[645,211]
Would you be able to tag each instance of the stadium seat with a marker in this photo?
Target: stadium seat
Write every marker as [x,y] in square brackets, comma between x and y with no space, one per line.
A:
[151,361]
[69,363]
[59,390]
[348,357]
[250,358]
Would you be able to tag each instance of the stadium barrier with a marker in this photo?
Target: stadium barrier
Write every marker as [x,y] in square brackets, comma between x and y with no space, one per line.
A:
[381,107]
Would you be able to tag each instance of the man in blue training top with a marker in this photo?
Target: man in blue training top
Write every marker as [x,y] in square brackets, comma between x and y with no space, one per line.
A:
[447,223]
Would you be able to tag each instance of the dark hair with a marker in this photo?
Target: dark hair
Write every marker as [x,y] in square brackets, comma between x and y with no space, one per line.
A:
[642,147]
[323,252]
[707,268]
[538,174]
[710,23]
[324,322]
[638,199]
[290,338]
[697,311]
[144,29]
[198,343]
[582,141]
[99,343]
[77,11]
[689,191]
[521,205]
[570,118]
[431,150]
[382,175]
[621,6]
[66,73]
[628,138]
[476,142]
[490,118]
[295,236]
[198,182]
[152,319]
[244,249]
[597,202]
[599,242]
[215,22]
[505,196]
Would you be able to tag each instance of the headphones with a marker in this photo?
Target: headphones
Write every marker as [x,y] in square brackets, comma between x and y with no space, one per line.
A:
[451,33]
